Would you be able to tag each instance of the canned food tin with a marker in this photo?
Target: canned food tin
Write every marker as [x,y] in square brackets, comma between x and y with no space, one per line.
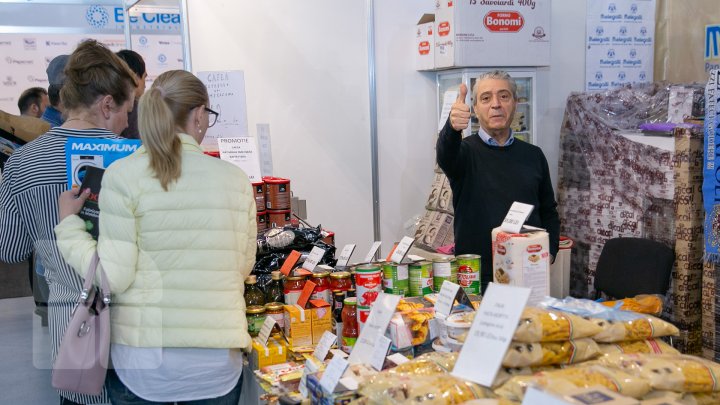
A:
[262,221]
[368,282]
[278,219]
[259,191]
[444,268]
[468,273]
[421,279]
[277,193]
[362,315]
[395,278]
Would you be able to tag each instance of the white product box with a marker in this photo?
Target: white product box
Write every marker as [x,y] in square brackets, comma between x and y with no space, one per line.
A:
[522,260]
[492,33]
[425,43]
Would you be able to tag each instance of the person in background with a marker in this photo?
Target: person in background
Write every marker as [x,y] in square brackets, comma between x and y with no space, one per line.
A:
[491,170]
[56,77]
[33,101]
[177,240]
[137,65]
[97,94]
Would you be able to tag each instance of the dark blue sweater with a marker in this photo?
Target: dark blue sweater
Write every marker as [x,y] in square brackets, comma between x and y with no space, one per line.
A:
[485,181]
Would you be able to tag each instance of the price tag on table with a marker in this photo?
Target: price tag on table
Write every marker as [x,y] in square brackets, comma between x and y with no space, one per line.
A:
[398,358]
[315,256]
[402,249]
[449,293]
[491,333]
[265,329]
[326,341]
[516,217]
[378,356]
[375,326]
[333,373]
[290,262]
[345,254]
[371,254]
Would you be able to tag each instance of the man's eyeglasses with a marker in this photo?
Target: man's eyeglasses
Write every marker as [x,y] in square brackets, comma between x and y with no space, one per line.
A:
[212,116]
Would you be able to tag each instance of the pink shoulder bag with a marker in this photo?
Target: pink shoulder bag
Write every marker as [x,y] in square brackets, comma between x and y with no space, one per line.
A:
[82,360]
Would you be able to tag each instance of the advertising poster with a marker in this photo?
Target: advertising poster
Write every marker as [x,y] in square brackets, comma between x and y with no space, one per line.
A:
[227,96]
[712,47]
[620,42]
[81,153]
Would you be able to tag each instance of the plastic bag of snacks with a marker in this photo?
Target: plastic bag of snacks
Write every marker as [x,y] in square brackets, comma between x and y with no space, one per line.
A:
[549,353]
[506,373]
[616,325]
[649,346]
[386,388]
[670,372]
[644,304]
[427,364]
[568,379]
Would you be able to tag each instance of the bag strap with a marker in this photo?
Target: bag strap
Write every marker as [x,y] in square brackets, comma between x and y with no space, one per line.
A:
[90,278]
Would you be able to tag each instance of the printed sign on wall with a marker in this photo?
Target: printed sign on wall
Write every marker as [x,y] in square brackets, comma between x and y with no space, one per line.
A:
[712,47]
[620,43]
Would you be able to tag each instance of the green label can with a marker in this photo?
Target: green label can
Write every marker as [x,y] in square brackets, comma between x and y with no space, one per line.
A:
[468,273]
[421,279]
[444,268]
[395,278]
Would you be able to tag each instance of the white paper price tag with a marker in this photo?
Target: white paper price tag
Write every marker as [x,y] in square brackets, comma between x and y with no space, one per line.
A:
[265,330]
[338,353]
[345,254]
[402,249]
[378,356]
[326,341]
[446,298]
[375,326]
[312,260]
[516,217]
[242,152]
[333,373]
[371,254]
[398,358]
[491,333]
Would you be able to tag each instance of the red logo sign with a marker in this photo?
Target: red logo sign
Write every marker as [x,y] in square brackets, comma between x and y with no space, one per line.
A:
[444,28]
[503,21]
[501,250]
[534,248]
[424,48]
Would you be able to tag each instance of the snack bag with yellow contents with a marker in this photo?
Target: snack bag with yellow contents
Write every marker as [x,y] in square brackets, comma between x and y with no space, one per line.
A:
[678,373]
[568,379]
[644,304]
[649,346]
[550,353]
[385,388]
[542,325]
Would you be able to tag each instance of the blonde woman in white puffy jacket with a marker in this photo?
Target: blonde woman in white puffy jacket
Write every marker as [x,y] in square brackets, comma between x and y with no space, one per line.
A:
[177,240]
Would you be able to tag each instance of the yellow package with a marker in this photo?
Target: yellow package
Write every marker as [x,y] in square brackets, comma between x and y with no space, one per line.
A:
[644,304]
[568,379]
[679,373]
[642,327]
[550,353]
[386,388]
[427,364]
[649,346]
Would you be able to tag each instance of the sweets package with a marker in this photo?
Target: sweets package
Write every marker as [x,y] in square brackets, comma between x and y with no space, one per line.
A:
[566,380]
[550,353]
[506,373]
[649,346]
[427,364]
[644,304]
[634,327]
[385,388]
[678,373]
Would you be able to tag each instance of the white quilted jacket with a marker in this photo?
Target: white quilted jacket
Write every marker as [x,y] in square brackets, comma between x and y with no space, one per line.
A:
[176,260]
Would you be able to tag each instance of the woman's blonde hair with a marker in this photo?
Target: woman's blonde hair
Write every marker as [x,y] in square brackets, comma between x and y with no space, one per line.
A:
[93,71]
[163,112]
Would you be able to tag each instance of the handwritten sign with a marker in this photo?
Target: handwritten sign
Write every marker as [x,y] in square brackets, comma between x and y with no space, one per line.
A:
[333,373]
[382,345]
[516,217]
[316,254]
[226,90]
[345,254]
[373,250]
[402,249]
[491,333]
[326,341]
[265,329]
[375,326]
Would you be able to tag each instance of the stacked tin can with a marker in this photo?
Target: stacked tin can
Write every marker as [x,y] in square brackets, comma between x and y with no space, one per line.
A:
[469,273]
[395,278]
[421,279]
[444,268]
[368,283]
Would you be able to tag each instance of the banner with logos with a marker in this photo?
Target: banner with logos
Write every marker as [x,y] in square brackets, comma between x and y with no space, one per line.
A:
[620,42]
[28,45]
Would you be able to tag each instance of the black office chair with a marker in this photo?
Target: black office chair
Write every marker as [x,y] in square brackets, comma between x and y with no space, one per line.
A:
[631,266]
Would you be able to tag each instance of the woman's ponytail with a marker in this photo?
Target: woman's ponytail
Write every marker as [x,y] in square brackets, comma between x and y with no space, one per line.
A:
[156,123]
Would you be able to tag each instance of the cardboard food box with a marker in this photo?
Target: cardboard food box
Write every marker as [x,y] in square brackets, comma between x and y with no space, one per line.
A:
[321,315]
[425,43]
[472,33]
[274,353]
[298,325]
[522,260]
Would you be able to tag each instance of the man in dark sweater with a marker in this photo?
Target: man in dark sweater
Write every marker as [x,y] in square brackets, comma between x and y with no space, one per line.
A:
[491,170]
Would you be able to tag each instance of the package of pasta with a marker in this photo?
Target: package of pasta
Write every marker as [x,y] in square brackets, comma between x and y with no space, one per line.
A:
[387,388]
[427,364]
[644,304]
[679,373]
[648,346]
[506,373]
[542,325]
[568,379]
[550,353]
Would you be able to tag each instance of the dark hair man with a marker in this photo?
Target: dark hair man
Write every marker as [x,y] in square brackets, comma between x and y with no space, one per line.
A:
[136,63]
[33,101]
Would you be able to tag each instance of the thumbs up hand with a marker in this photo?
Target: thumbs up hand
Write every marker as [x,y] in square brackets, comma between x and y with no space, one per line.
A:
[460,112]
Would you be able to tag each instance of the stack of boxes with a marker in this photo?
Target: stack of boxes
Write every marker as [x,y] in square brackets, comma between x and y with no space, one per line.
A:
[435,228]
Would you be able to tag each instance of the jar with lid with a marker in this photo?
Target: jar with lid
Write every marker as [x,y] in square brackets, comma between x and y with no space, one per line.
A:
[255,315]
[293,288]
[275,310]
[253,294]
[340,280]
[337,307]
[322,289]
[275,291]
[349,324]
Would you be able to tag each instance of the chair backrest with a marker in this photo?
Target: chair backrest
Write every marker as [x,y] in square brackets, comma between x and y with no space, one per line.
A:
[631,266]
